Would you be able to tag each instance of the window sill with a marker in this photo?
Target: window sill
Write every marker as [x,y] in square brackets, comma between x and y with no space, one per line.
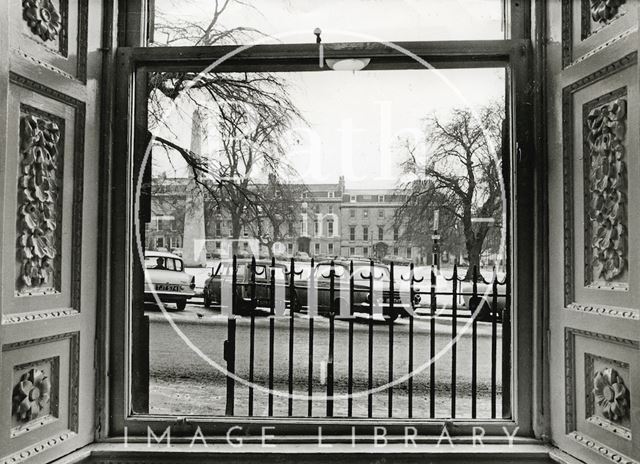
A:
[524,452]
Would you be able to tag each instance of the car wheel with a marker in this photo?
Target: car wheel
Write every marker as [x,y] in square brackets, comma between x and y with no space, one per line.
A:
[180,305]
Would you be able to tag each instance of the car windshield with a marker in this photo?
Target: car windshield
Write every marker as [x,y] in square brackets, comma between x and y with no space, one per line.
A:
[162,262]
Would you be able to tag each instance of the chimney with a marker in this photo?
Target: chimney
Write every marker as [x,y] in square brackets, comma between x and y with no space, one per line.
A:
[341,186]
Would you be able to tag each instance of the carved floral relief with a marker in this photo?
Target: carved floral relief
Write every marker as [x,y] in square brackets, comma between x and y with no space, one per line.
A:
[603,11]
[606,184]
[43,18]
[32,395]
[611,395]
[39,193]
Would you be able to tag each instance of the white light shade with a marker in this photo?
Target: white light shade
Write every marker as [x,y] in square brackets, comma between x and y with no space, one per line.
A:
[348,64]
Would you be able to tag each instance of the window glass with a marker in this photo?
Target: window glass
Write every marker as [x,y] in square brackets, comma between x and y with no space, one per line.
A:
[264,193]
[221,22]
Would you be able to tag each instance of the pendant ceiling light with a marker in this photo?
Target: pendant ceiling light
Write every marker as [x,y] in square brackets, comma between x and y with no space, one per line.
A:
[348,64]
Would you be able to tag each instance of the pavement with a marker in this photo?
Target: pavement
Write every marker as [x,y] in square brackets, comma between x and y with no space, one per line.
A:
[182,382]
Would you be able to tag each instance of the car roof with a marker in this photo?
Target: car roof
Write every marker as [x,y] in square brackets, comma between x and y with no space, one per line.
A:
[160,254]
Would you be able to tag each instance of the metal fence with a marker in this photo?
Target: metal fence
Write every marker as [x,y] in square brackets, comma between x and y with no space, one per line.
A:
[378,294]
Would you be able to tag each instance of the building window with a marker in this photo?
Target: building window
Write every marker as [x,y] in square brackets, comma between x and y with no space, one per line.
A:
[316,247]
[290,247]
[316,228]
[365,233]
[395,251]
[365,251]
[352,198]
[317,209]
[380,198]
[352,212]
[396,233]
[352,251]
[352,233]
[409,252]
[218,229]
[160,242]
[380,233]
[330,248]
[330,228]
[331,194]
[218,245]
[330,209]
[380,213]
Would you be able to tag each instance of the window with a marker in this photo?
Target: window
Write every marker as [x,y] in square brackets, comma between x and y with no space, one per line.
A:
[330,228]
[218,229]
[331,194]
[466,56]
[316,228]
[218,245]
[159,242]
[330,248]
[365,233]
[330,209]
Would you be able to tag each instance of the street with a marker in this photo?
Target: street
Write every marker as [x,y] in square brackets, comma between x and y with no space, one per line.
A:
[183,383]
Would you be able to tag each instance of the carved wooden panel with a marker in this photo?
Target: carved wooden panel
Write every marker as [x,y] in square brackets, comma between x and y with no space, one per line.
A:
[45,199]
[598,152]
[44,393]
[39,201]
[598,383]
[591,25]
[608,397]
[605,190]
[51,34]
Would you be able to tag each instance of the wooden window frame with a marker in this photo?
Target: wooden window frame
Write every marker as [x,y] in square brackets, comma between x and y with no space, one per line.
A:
[515,54]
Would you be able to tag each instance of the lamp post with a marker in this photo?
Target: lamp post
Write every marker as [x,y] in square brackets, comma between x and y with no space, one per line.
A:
[435,259]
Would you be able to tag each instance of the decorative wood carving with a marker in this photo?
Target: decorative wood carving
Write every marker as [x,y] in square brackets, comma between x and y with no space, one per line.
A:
[594,17]
[601,449]
[40,447]
[78,178]
[625,313]
[603,11]
[32,395]
[570,368]
[39,200]
[43,18]
[74,369]
[608,401]
[567,164]
[605,184]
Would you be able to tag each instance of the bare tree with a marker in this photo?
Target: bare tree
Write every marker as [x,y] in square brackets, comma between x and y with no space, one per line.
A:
[460,177]
[253,113]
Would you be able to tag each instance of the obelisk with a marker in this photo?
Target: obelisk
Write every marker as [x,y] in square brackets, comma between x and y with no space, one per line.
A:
[193,246]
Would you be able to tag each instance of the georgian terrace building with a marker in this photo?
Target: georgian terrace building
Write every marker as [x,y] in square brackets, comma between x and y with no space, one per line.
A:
[334,222]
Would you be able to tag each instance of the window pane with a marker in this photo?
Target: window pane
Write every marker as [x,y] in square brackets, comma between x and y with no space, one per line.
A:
[414,161]
[217,22]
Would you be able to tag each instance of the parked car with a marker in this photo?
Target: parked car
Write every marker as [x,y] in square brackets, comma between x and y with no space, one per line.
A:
[484,299]
[361,293]
[222,274]
[166,279]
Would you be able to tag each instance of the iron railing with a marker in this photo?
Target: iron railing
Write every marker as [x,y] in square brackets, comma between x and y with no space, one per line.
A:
[469,298]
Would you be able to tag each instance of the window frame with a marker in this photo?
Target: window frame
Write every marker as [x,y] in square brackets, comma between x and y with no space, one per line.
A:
[132,64]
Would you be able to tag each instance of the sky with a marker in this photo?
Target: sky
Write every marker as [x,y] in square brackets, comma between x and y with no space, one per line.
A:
[355,121]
